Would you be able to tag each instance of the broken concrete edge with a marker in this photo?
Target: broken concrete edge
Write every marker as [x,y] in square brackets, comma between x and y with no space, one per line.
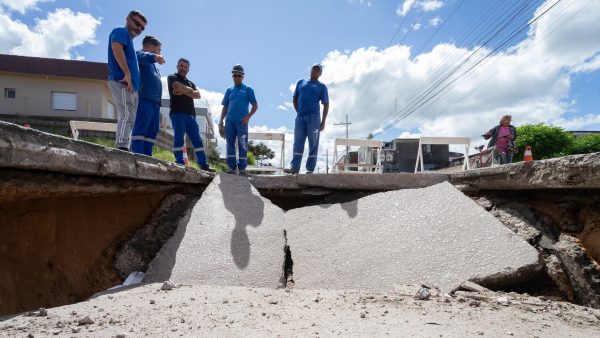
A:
[138,251]
[31,149]
[567,172]
[583,272]
[22,185]
[358,181]
[511,277]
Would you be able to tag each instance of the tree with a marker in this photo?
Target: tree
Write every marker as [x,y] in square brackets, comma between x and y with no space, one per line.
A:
[214,152]
[545,141]
[250,158]
[585,144]
[261,151]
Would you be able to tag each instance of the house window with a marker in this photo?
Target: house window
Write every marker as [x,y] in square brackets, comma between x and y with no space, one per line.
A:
[10,93]
[110,111]
[64,101]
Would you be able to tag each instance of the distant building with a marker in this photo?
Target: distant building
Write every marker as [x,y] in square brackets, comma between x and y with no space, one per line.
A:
[47,93]
[203,117]
[580,133]
[54,87]
[400,155]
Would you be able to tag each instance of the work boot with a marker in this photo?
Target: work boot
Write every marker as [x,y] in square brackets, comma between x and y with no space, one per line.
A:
[242,172]
[207,168]
[231,171]
[309,173]
[290,171]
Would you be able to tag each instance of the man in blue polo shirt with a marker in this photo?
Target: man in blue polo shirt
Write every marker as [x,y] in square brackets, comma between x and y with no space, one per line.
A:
[147,118]
[124,74]
[308,122]
[235,108]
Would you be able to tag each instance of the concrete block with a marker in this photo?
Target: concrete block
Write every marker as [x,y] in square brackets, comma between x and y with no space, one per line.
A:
[434,235]
[233,236]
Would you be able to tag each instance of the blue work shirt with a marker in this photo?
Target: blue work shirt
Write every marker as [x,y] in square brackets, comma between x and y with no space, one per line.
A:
[309,93]
[237,99]
[150,84]
[121,35]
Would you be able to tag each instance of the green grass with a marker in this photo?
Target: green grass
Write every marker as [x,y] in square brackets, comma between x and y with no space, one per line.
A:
[157,152]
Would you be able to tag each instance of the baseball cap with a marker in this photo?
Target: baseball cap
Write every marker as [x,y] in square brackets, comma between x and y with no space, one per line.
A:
[238,69]
[318,65]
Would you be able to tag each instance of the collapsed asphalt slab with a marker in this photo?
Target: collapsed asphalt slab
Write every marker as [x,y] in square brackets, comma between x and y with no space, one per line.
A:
[233,237]
[434,235]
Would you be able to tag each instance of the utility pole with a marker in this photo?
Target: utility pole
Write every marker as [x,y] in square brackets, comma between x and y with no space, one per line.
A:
[347,124]
[326,160]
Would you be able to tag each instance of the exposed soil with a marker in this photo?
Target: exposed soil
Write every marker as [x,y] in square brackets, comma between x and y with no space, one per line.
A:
[61,250]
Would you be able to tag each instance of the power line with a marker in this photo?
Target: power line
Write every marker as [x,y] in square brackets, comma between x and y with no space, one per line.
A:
[512,36]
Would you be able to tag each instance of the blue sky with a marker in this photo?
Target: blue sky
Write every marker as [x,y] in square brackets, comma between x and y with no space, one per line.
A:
[549,71]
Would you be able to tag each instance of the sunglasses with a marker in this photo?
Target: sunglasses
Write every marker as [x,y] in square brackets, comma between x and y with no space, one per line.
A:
[139,25]
[237,76]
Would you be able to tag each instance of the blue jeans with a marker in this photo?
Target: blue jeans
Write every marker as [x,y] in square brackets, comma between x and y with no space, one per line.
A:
[186,124]
[145,127]
[306,126]
[235,130]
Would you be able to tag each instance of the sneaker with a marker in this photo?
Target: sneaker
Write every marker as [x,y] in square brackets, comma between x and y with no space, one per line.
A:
[231,171]
[309,173]
[207,168]
[290,171]
[242,172]
[123,148]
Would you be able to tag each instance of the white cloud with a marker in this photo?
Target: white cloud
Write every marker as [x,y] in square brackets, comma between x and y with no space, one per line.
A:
[405,8]
[531,81]
[416,26]
[435,21]
[367,3]
[21,6]
[431,5]
[425,5]
[55,36]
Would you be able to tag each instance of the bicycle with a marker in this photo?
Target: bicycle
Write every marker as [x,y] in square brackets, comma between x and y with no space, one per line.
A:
[493,158]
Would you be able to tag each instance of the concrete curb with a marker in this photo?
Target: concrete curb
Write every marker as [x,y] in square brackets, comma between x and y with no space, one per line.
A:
[31,149]
[568,172]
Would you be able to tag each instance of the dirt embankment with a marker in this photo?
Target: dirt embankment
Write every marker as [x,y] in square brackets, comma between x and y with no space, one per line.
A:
[60,234]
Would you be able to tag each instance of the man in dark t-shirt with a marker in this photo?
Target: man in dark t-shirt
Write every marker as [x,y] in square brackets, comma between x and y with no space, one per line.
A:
[182,93]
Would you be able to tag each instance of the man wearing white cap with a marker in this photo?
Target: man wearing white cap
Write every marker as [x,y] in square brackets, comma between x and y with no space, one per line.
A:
[235,113]
[308,122]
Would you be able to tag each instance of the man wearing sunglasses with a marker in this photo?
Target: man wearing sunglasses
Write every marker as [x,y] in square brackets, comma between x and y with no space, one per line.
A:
[235,108]
[124,74]
[308,122]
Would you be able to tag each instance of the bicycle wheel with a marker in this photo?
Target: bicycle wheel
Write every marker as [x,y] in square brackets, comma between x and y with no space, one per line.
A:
[500,158]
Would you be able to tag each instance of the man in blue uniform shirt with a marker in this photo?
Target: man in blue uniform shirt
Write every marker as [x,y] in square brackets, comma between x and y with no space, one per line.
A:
[147,118]
[182,92]
[124,74]
[308,122]
[235,108]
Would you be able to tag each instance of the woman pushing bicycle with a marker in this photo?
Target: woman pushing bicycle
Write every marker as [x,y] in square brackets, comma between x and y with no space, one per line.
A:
[503,136]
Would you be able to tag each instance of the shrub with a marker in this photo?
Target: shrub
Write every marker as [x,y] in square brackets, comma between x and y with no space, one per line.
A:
[545,141]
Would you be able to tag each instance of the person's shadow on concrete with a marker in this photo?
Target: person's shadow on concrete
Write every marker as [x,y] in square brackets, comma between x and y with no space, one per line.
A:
[350,207]
[247,208]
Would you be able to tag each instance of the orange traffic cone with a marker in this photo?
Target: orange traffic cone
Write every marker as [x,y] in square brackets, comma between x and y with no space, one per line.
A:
[527,156]
[185,157]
